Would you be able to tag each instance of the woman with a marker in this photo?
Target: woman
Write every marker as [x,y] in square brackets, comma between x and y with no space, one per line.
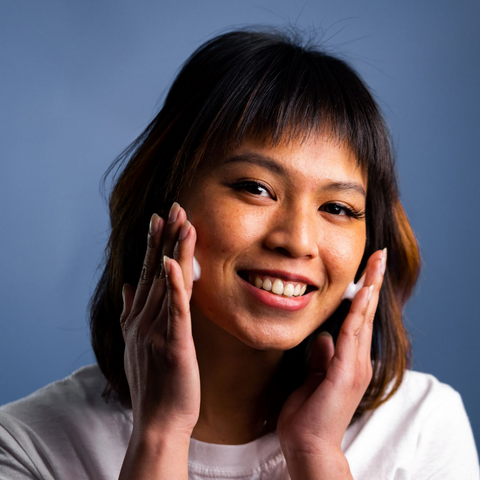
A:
[271,164]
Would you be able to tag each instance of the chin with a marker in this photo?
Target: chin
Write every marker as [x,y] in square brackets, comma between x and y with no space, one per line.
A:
[270,337]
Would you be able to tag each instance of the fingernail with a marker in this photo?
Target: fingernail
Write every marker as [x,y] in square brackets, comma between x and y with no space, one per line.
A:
[325,334]
[153,228]
[370,292]
[173,215]
[166,264]
[184,230]
[123,293]
[384,261]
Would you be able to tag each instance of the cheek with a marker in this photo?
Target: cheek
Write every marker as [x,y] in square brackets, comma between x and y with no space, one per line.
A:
[342,256]
[223,232]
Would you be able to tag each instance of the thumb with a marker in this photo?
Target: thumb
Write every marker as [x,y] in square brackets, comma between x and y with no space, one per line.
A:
[322,352]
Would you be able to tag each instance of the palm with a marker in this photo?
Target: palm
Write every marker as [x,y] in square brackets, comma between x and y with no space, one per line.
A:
[300,413]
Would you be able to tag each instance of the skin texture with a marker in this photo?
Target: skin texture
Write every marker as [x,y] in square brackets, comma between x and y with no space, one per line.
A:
[217,361]
[239,230]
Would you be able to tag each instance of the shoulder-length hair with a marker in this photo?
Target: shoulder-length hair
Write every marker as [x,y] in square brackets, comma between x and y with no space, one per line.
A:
[265,85]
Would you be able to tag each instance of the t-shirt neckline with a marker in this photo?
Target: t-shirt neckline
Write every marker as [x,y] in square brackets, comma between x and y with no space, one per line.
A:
[261,454]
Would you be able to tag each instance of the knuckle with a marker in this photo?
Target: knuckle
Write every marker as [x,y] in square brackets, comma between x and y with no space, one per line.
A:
[351,332]
[151,242]
[144,274]
[176,310]
[146,271]
[126,328]
[171,357]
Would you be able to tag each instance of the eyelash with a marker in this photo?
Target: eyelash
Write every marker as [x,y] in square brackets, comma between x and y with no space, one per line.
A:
[246,185]
[350,212]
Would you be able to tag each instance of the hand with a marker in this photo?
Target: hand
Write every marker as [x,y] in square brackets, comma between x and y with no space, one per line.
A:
[160,359]
[314,418]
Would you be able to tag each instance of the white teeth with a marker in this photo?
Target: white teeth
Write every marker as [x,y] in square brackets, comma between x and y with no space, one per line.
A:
[289,289]
[277,287]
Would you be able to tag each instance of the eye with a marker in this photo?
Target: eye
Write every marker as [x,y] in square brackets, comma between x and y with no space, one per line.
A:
[252,187]
[341,210]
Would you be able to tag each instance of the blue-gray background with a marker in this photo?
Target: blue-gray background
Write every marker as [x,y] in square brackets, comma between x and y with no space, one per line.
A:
[81,79]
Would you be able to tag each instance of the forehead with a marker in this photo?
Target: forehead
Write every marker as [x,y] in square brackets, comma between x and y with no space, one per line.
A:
[313,160]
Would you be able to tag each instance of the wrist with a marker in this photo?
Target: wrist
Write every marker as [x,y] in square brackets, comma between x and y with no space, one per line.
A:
[156,455]
[329,464]
[153,439]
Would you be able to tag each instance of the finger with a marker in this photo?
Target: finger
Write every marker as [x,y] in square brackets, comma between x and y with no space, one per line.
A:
[346,348]
[183,254]
[323,350]
[128,294]
[150,263]
[179,327]
[374,276]
[175,220]
[184,249]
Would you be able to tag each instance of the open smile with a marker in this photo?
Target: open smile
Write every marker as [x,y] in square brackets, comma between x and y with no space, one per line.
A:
[277,292]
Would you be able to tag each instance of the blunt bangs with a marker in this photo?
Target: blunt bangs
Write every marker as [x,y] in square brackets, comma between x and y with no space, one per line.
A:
[274,90]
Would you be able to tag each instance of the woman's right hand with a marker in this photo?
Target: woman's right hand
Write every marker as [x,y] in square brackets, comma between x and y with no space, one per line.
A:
[160,359]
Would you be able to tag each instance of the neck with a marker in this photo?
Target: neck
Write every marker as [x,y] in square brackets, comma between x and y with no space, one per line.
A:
[237,386]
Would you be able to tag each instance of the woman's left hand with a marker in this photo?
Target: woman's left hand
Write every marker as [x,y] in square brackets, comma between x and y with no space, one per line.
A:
[314,418]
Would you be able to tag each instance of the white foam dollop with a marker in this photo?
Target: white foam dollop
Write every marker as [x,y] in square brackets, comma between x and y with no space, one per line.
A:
[196,270]
[353,288]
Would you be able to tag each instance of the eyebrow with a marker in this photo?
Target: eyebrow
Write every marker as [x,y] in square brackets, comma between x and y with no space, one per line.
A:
[256,159]
[276,168]
[345,187]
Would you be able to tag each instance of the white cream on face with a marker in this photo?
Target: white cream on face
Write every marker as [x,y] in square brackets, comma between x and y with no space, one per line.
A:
[196,270]
[353,288]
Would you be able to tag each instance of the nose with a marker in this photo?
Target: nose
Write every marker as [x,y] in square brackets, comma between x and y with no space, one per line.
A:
[293,232]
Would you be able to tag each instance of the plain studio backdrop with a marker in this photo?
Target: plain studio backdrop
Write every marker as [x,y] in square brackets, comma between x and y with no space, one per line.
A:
[81,79]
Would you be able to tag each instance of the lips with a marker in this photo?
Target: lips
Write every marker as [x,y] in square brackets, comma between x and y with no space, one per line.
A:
[278,301]
[278,282]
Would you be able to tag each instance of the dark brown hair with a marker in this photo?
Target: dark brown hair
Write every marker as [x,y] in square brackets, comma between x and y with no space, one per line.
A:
[266,85]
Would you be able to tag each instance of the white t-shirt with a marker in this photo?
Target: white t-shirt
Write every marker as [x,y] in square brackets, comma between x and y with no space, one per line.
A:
[67,431]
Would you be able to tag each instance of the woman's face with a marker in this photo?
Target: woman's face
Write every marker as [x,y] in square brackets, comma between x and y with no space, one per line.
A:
[270,216]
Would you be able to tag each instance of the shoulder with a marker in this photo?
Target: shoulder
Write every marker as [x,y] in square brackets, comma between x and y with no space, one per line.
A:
[427,409]
[420,398]
[53,428]
[422,431]
[75,402]
[423,394]
[81,388]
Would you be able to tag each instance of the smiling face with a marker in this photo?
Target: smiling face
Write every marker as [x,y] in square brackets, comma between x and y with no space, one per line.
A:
[287,214]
